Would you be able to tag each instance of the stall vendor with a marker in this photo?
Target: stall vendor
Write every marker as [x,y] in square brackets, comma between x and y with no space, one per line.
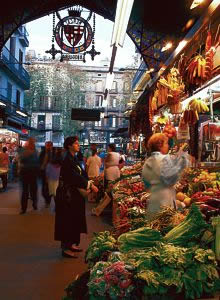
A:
[161,171]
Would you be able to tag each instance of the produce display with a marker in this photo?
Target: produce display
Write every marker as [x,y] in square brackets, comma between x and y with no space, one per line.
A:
[143,263]
[171,256]
[202,188]
[101,243]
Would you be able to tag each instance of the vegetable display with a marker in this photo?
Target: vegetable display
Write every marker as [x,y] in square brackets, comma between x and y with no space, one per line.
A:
[113,281]
[173,256]
[100,245]
[190,230]
[143,237]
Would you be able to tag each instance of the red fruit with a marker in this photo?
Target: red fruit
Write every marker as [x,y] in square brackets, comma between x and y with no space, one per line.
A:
[124,284]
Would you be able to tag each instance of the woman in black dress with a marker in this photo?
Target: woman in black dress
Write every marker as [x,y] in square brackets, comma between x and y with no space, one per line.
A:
[70,219]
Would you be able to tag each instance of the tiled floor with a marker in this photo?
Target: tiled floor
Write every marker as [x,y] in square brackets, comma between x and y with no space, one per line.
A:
[31,267]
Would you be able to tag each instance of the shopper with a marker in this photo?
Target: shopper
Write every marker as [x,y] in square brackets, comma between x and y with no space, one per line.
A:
[122,159]
[70,219]
[93,166]
[161,171]
[88,152]
[4,167]
[53,173]
[111,171]
[29,171]
[45,156]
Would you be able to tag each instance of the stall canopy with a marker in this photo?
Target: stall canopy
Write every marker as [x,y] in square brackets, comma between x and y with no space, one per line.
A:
[152,23]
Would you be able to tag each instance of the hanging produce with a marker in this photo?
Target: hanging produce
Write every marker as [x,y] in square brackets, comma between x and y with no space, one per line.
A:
[198,105]
[190,116]
[169,130]
[195,72]
[162,120]
[209,55]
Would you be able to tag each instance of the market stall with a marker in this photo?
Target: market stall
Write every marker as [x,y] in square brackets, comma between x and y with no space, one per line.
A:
[175,254]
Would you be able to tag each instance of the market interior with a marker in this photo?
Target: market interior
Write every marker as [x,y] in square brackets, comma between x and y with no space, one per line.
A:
[162,239]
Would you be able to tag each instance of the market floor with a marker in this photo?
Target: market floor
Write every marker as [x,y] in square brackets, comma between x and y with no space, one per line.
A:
[31,266]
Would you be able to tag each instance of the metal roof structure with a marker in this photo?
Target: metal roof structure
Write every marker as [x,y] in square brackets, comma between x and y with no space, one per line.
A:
[152,23]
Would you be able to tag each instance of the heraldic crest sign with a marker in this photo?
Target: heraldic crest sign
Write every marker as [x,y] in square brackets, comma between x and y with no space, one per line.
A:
[74,35]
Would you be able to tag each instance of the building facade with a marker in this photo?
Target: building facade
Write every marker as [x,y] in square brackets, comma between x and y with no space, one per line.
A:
[47,118]
[14,80]
[100,132]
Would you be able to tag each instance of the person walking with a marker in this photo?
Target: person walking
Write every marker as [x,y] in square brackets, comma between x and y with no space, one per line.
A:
[70,219]
[53,173]
[93,166]
[4,166]
[111,171]
[88,152]
[45,157]
[28,170]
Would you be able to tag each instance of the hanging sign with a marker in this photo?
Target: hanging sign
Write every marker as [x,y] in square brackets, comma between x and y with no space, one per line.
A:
[73,34]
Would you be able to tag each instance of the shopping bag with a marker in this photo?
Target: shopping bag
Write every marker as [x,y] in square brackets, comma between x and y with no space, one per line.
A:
[101,206]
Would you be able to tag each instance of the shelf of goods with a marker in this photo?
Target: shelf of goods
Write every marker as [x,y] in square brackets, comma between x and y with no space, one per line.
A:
[174,256]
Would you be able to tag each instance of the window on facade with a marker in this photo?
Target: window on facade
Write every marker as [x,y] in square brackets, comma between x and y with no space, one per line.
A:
[114,121]
[41,121]
[44,102]
[110,121]
[9,91]
[126,87]
[114,87]
[82,100]
[98,100]
[99,86]
[113,101]
[12,45]
[55,103]
[18,98]
[21,57]
[98,123]
[56,122]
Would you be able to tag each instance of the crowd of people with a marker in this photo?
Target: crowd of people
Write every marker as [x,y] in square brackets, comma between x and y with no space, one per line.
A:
[67,176]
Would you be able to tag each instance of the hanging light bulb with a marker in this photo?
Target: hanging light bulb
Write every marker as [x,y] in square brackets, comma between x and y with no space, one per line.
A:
[196,3]
[167,46]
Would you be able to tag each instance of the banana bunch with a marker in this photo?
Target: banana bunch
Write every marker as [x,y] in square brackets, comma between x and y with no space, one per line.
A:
[198,105]
[196,70]
[190,116]
[162,120]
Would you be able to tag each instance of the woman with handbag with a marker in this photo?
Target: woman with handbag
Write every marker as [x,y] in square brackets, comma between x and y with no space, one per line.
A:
[70,219]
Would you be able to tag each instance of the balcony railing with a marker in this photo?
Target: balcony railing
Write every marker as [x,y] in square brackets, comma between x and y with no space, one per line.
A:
[24,37]
[141,70]
[46,107]
[11,108]
[113,109]
[49,127]
[13,65]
